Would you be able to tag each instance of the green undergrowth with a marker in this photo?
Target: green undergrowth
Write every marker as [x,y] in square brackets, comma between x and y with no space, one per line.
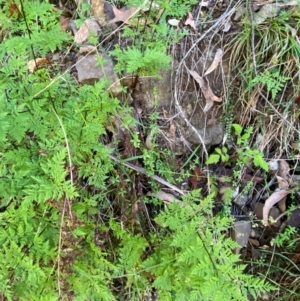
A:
[68,229]
[265,57]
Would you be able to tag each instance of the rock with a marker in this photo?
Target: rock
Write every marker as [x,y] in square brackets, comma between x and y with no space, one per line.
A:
[274,213]
[242,200]
[98,10]
[90,72]
[267,11]
[86,30]
[150,92]
[241,232]
[212,135]
[294,219]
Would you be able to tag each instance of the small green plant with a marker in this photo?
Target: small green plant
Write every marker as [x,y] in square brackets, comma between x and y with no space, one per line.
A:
[220,154]
[148,62]
[49,143]
[273,81]
[286,237]
[194,259]
[245,154]
[189,257]
[65,230]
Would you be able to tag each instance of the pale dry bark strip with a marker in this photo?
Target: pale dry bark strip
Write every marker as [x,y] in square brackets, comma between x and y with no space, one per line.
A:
[271,201]
[144,171]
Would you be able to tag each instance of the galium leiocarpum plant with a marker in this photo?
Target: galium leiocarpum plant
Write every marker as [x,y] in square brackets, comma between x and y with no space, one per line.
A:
[245,153]
[60,236]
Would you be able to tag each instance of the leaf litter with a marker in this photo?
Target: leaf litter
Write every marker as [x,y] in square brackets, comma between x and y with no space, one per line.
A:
[280,194]
[208,94]
[123,16]
[190,21]
[216,62]
[84,32]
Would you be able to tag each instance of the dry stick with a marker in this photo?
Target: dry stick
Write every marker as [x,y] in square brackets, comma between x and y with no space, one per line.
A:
[178,106]
[67,143]
[144,171]
[65,200]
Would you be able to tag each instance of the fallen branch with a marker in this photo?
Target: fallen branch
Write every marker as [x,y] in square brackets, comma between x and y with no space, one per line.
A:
[144,171]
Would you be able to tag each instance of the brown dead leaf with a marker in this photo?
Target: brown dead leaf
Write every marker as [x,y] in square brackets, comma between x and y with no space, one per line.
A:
[282,204]
[216,62]
[190,21]
[64,23]
[85,30]
[34,64]
[194,182]
[197,175]
[14,11]
[212,121]
[283,184]
[209,96]
[254,242]
[90,49]
[271,201]
[122,16]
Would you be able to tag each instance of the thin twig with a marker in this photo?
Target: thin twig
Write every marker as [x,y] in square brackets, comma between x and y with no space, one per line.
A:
[144,171]
[65,200]
[211,29]
[67,143]
[276,111]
